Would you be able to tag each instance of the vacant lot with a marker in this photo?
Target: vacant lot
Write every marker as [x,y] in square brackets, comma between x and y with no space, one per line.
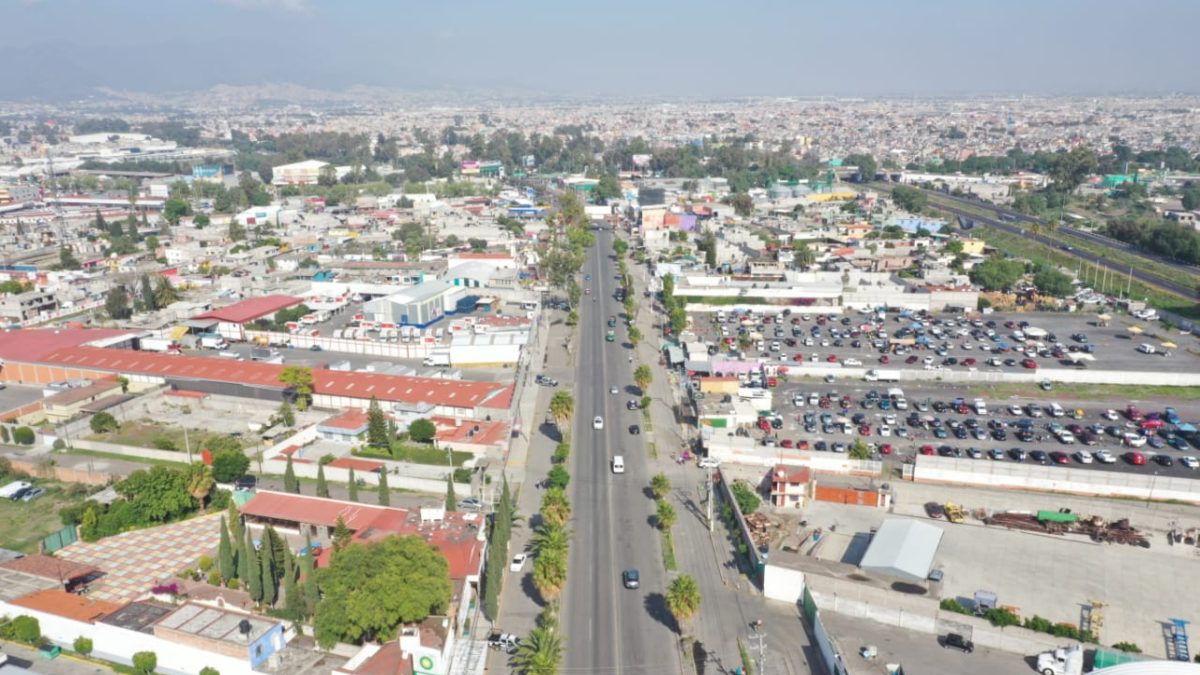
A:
[146,433]
[24,524]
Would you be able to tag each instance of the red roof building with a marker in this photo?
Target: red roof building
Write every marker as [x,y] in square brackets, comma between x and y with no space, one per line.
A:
[457,535]
[250,309]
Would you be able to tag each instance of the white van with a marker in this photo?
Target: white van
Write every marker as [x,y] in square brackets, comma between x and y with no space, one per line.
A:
[1056,410]
[618,464]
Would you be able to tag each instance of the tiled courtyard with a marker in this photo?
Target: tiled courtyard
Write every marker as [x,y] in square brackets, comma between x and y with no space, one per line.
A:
[134,562]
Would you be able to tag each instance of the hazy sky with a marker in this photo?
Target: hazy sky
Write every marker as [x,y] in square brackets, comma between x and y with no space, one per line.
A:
[705,48]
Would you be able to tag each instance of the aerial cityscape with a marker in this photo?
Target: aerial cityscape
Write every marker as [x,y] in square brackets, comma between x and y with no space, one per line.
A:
[361,339]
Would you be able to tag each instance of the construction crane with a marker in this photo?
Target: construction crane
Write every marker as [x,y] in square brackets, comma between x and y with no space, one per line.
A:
[59,221]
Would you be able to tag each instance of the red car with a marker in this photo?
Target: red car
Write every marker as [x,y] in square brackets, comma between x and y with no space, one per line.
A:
[764,424]
[802,445]
[1135,458]
[884,359]
[832,358]
[912,359]
[865,430]
[1133,413]
[786,443]
[968,362]
[885,449]
[1030,364]
[927,450]
[798,357]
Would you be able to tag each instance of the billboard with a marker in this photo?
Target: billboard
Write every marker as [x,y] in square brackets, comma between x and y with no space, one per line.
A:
[469,166]
[642,161]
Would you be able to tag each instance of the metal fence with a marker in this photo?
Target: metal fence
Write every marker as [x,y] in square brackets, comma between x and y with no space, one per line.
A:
[60,539]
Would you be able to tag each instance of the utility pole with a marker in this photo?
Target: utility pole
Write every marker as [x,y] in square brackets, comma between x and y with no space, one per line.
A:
[760,638]
[186,444]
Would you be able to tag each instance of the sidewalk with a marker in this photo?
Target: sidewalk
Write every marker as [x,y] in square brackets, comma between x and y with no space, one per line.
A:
[730,601]
[528,461]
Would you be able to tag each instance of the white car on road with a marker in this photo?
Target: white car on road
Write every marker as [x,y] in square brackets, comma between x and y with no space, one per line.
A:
[851,363]
[1105,457]
[518,562]
[1189,461]
[598,423]
[1083,457]
[709,462]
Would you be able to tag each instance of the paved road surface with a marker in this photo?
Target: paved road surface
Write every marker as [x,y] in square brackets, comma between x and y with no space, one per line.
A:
[610,629]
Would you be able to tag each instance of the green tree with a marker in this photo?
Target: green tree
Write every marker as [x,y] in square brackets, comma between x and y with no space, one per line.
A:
[82,645]
[23,436]
[642,376]
[225,554]
[742,203]
[550,573]
[352,487]
[997,273]
[299,381]
[664,514]
[243,553]
[1050,281]
[67,260]
[377,428]
[683,598]
[144,663]
[116,303]
[254,582]
[866,166]
[859,450]
[451,500]
[556,507]
[266,559]
[562,407]
[660,485]
[373,588]
[290,482]
[322,486]
[286,415]
[541,652]
[953,247]
[557,477]
[175,209]
[341,534]
[148,298]
[229,465]
[164,293]
[422,430]
[1191,199]
[909,198]
[103,422]
[236,231]
[385,495]
[635,336]
[25,629]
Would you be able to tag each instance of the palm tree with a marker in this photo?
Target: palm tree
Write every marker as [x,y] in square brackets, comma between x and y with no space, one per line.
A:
[540,653]
[665,515]
[642,377]
[802,254]
[550,538]
[550,573]
[200,482]
[562,407]
[683,598]
[660,485]
[556,508]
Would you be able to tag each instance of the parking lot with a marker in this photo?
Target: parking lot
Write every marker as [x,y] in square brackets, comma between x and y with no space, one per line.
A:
[951,342]
[15,396]
[931,423]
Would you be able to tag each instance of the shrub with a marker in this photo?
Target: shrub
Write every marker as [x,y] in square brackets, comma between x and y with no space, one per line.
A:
[558,477]
[952,605]
[562,452]
[144,663]
[103,422]
[4,433]
[207,670]
[205,563]
[234,584]
[164,442]
[24,629]
[229,465]
[1039,624]
[462,475]
[82,645]
[746,498]
[422,430]
[214,578]
[23,436]
[59,444]
[1001,617]
[325,459]
[1128,647]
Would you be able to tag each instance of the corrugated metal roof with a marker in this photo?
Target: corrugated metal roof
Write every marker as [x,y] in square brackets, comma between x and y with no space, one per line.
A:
[251,308]
[392,388]
[903,548]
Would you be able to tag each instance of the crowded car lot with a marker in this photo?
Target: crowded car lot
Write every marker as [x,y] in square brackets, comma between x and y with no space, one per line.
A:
[994,342]
[901,423]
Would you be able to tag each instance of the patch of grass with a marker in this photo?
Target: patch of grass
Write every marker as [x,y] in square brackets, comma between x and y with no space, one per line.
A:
[653,448]
[747,662]
[668,547]
[1092,392]
[151,434]
[24,524]
[129,458]
[417,454]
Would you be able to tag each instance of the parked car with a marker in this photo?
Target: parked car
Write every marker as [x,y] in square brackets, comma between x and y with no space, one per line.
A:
[956,641]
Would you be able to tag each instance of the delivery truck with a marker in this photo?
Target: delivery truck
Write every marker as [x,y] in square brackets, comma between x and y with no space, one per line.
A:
[164,345]
[441,359]
[213,342]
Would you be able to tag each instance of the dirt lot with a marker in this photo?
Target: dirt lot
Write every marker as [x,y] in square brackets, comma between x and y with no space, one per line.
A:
[24,524]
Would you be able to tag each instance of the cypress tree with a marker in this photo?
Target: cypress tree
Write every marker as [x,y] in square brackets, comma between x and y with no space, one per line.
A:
[353,496]
[377,428]
[451,501]
[341,535]
[235,523]
[312,593]
[225,554]
[292,597]
[254,567]
[322,486]
[268,575]
[385,496]
[290,484]
[243,561]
